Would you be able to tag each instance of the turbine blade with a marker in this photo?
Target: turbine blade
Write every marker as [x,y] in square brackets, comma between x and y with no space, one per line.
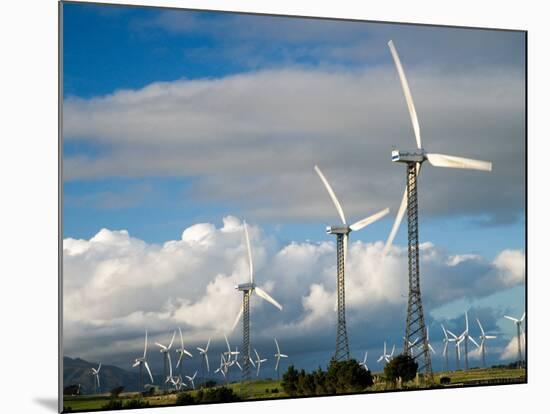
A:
[207,345]
[369,220]
[172,340]
[263,294]
[445,348]
[169,362]
[162,346]
[148,370]
[512,319]
[407,93]
[250,264]
[396,223]
[346,242]
[277,345]
[207,363]
[237,319]
[145,349]
[181,339]
[332,195]
[444,332]
[179,360]
[188,353]
[450,161]
[277,364]
[522,317]
[480,327]
[227,343]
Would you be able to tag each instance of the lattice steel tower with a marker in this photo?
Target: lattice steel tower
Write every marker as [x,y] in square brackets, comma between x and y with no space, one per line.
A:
[342,346]
[246,289]
[342,236]
[415,325]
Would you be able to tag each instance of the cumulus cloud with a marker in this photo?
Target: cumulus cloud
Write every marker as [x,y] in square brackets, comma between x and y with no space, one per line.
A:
[511,350]
[115,285]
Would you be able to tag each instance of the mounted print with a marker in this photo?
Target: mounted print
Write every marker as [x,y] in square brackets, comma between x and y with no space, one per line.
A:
[261,207]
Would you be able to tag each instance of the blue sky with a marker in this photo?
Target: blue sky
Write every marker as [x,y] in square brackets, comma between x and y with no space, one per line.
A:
[272,97]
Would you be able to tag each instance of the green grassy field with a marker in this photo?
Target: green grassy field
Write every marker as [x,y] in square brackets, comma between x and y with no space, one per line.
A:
[263,389]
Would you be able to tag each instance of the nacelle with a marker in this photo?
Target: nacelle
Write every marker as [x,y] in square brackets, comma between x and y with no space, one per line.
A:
[408,156]
[342,229]
[245,286]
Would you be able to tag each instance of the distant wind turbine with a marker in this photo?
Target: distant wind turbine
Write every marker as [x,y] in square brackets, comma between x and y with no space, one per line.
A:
[142,362]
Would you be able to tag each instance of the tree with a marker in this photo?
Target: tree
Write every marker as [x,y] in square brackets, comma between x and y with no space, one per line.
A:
[115,392]
[347,376]
[403,366]
[290,381]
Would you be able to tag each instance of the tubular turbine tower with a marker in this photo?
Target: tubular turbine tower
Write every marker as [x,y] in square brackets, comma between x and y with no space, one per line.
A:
[415,325]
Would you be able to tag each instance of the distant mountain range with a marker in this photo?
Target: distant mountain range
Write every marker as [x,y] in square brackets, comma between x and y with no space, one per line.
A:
[77,371]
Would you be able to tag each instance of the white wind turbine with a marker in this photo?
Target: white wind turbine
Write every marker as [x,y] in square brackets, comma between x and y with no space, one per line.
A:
[364,363]
[278,357]
[457,340]
[258,362]
[165,350]
[222,368]
[520,331]
[342,235]
[483,338]
[192,379]
[95,373]
[430,347]
[414,159]
[248,289]
[446,341]
[385,356]
[204,353]
[182,351]
[466,336]
[141,362]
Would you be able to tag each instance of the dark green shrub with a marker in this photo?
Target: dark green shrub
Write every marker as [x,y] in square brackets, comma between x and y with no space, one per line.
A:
[136,403]
[112,405]
[403,366]
[290,381]
[185,398]
[115,392]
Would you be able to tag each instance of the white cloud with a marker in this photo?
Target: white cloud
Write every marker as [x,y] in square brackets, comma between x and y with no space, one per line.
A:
[255,136]
[511,350]
[115,285]
[511,264]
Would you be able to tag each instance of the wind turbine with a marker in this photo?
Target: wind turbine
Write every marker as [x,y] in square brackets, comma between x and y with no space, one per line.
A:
[520,330]
[467,337]
[192,379]
[258,362]
[222,368]
[204,353]
[165,350]
[385,356]
[364,363]
[247,289]
[414,159]
[483,338]
[446,341]
[182,351]
[278,357]
[95,373]
[141,362]
[342,235]
[457,340]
